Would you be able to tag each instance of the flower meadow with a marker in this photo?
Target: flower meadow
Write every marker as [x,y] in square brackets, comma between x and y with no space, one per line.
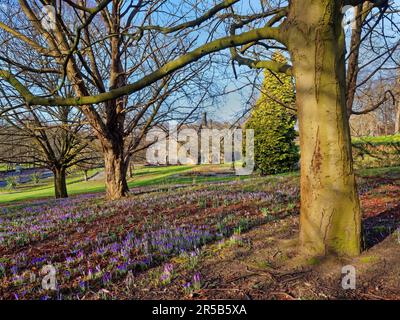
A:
[94,245]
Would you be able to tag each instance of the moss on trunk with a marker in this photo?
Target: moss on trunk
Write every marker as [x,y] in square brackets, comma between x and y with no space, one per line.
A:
[330,213]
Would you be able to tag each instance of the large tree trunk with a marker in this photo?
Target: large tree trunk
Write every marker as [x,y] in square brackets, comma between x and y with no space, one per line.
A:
[60,184]
[115,170]
[330,213]
[113,143]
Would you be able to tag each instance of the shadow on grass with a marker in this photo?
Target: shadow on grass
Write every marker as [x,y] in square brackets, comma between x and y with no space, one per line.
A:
[379,227]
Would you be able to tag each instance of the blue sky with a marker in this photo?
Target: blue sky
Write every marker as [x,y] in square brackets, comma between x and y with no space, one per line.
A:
[234,105]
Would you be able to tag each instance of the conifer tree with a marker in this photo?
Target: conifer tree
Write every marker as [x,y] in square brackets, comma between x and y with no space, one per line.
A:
[273,123]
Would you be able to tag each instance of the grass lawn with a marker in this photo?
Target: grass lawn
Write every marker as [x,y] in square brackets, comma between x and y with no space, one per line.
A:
[238,237]
[379,171]
[143,176]
[146,176]
[46,189]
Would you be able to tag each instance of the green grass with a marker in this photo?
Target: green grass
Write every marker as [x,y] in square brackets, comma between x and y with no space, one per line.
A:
[45,189]
[4,166]
[378,171]
[380,140]
[144,176]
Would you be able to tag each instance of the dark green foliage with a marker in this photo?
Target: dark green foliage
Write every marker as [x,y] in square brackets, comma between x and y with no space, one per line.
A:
[274,124]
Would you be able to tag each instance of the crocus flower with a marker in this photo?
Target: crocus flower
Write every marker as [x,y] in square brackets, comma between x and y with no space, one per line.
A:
[168,268]
[197,281]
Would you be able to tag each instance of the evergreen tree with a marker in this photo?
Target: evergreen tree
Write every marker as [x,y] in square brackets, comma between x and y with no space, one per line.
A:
[274,124]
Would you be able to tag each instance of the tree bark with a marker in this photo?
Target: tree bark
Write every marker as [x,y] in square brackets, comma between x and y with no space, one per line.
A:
[60,184]
[330,221]
[131,168]
[353,69]
[85,175]
[360,14]
[397,120]
[115,170]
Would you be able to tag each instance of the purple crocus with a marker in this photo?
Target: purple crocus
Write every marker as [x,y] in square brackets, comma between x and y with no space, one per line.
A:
[82,285]
[168,268]
[197,277]
[188,287]
[106,278]
[197,281]
[167,274]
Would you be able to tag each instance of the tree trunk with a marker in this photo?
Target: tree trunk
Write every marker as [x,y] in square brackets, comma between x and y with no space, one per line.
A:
[397,120]
[330,221]
[353,69]
[85,175]
[115,171]
[60,184]
[131,168]
[397,92]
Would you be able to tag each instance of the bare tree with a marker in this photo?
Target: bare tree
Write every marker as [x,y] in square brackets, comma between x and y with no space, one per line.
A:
[54,138]
[103,54]
[372,57]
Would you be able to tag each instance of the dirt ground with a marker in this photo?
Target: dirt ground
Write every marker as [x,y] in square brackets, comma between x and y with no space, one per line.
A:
[259,262]
[263,263]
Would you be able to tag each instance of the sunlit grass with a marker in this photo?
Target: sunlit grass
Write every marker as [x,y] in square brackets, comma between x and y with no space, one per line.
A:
[143,176]
[147,176]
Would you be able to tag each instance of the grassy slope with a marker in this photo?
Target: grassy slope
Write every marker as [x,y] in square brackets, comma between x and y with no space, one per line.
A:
[145,176]
[379,140]
[378,171]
